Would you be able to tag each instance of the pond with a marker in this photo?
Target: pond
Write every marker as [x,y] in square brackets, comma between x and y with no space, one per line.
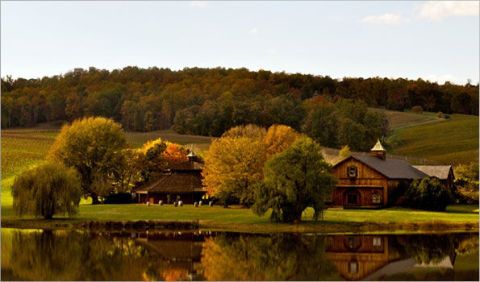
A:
[204,255]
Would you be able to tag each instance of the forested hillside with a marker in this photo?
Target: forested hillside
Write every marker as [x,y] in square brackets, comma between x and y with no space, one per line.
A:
[210,101]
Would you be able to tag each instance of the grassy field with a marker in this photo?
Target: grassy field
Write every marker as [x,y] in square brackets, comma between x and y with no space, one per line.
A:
[398,120]
[426,138]
[239,219]
[449,141]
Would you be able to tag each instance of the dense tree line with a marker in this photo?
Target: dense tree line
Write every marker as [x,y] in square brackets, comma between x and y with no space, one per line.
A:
[210,101]
[336,122]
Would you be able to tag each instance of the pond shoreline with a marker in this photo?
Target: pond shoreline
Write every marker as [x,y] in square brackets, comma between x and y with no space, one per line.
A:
[325,227]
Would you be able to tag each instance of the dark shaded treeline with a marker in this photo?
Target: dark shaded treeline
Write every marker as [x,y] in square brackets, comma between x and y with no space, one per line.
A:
[209,101]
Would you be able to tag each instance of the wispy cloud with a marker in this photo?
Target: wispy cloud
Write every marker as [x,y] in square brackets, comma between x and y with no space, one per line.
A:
[438,10]
[385,19]
[253,30]
[200,4]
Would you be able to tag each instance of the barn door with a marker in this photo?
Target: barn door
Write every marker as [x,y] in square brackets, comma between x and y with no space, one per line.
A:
[353,198]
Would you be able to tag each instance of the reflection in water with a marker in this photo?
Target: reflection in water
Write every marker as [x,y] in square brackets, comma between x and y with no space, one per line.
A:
[75,255]
[274,257]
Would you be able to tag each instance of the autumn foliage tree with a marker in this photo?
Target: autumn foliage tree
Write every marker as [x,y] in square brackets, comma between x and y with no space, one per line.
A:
[210,101]
[175,154]
[234,163]
[93,147]
[278,138]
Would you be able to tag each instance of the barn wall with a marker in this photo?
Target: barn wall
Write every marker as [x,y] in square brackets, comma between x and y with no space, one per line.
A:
[364,172]
[367,182]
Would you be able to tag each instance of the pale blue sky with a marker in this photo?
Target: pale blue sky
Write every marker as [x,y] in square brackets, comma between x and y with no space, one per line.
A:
[436,41]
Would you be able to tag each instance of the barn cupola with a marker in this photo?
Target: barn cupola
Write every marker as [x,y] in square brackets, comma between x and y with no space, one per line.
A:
[191,156]
[378,151]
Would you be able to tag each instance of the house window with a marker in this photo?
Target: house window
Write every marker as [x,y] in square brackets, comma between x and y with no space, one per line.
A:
[376,198]
[377,241]
[353,267]
[352,243]
[352,171]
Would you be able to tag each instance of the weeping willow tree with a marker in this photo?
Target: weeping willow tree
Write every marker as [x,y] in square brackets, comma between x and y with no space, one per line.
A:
[47,190]
[295,179]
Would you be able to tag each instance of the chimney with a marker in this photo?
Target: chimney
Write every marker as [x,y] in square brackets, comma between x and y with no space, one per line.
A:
[378,151]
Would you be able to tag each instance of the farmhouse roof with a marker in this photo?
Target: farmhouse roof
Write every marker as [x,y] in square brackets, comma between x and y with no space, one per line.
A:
[440,171]
[174,182]
[188,165]
[390,168]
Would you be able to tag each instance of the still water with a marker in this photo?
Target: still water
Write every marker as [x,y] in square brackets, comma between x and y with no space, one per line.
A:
[83,255]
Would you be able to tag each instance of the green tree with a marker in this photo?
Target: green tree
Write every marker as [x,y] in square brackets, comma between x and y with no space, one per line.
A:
[428,194]
[467,174]
[150,159]
[295,179]
[345,152]
[93,147]
[353,134]
[47,190]
[322,125]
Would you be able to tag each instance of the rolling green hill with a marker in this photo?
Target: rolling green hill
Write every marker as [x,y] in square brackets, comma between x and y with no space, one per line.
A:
[406,119]
[439,141]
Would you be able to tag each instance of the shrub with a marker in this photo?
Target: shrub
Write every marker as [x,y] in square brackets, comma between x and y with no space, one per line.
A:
[47,190]
[417,109]
[428,194]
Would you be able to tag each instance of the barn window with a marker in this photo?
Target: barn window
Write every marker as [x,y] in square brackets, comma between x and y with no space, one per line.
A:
[376,198]
[377,241]
[352,171]
[353,267]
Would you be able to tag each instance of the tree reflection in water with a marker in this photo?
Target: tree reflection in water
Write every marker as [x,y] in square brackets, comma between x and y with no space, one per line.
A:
[274,257]
[75,255]
[63,255]
[429,249]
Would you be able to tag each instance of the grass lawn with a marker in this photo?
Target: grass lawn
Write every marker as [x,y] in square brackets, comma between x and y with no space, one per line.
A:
[236,219]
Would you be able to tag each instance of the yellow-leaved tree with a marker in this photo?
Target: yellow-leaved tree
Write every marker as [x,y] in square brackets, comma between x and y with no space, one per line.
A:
[93,146]
[234,162]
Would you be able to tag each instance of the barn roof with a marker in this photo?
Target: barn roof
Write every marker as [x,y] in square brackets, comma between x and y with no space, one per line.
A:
[174,182]
[390,168]
[440,171]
